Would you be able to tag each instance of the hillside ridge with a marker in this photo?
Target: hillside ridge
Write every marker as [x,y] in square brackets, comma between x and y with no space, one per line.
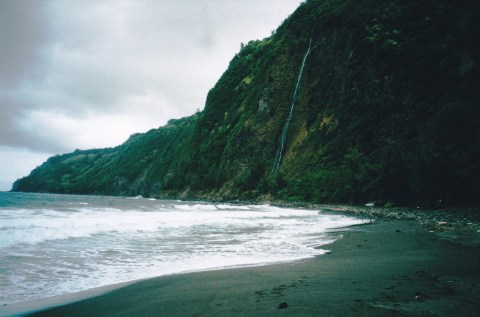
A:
[385,108]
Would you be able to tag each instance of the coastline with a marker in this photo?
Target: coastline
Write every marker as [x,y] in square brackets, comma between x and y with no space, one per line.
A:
[456,224]
[387,268]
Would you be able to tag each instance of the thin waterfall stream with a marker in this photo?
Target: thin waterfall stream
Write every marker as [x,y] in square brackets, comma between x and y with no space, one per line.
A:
[283,139]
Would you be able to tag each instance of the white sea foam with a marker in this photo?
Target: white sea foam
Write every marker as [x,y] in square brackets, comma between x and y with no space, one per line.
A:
[65,246]
[235,207]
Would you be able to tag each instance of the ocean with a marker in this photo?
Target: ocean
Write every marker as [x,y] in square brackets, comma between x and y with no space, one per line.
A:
[59,244]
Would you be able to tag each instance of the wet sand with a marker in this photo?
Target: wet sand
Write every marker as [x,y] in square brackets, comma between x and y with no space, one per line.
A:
[388,268]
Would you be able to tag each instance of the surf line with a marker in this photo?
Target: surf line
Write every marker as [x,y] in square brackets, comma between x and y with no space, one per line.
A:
[283,138]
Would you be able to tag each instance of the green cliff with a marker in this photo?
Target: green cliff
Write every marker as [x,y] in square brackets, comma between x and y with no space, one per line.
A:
[387,109]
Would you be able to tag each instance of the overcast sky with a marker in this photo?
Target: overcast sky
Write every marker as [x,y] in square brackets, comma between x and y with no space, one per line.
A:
[88,73]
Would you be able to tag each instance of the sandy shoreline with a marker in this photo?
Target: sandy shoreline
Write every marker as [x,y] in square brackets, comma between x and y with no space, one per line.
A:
[388,268]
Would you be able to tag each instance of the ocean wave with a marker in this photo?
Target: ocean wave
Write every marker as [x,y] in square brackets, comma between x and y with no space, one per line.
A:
[70,247]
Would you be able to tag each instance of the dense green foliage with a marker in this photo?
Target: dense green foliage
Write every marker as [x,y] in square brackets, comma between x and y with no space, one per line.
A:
[388,111]
[140,166]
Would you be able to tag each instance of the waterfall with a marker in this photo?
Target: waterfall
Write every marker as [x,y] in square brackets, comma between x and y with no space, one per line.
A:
[283,138]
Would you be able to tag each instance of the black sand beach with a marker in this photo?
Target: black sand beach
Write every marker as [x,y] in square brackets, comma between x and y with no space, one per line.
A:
[387,268]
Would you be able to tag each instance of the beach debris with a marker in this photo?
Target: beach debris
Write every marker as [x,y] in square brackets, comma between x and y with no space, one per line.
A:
[282,305]
[370,204]
[278,290]
[419,296]
[441,223]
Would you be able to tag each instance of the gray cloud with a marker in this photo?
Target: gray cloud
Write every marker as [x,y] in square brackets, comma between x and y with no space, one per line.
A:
[23,30]
[14,134]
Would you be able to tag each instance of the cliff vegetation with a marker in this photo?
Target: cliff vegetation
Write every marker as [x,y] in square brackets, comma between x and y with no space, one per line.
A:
[387,110]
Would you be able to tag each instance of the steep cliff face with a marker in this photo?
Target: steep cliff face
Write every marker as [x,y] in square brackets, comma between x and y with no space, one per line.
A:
[386,109]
